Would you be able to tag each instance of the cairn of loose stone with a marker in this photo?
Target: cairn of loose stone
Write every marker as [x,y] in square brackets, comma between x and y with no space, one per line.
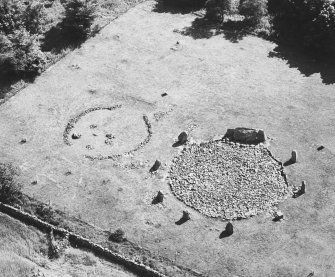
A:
[182,138]
[294,156]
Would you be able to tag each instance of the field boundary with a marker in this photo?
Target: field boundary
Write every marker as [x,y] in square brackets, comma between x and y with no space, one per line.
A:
[78,241]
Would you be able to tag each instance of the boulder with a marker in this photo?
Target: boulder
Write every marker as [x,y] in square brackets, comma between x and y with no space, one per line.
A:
[278,216]
[246,135]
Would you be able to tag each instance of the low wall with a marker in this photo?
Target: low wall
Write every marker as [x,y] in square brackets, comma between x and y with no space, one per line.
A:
[81,242]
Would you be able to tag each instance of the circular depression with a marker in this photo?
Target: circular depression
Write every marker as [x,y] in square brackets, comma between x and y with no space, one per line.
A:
[108,132]
[228,180]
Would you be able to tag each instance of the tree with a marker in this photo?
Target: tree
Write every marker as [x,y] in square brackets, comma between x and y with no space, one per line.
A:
[79,15]
[217,9]
[310,23]
[254,10]
[10,189]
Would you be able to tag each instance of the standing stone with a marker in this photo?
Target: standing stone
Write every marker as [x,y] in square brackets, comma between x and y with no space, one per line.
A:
[182,138]
[278,216]
[159,197]
[186,216]
[302,188]
[294,157]
[261,136]
[229,229]
[155,167]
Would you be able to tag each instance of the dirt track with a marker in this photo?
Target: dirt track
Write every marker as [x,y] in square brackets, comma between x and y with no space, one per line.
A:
[212,84]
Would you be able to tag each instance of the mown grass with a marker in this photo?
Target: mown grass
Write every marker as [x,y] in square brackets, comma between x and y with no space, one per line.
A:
[55,44]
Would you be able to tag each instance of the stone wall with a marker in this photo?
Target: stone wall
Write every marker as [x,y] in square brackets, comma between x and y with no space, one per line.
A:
[81,242]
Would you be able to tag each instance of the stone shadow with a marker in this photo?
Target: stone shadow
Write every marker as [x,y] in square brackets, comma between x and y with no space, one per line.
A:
[181,221]
[224,234]
[306,63]
[288,162]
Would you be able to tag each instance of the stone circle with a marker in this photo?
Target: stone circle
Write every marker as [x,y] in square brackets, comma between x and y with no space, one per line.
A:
[115,136]
[228,180]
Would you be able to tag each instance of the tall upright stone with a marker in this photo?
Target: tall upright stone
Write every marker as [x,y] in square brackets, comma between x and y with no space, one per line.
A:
[182,138]
[186,216]
[229,229]
[159,197]
[294,156]
[156,166]
[303,187]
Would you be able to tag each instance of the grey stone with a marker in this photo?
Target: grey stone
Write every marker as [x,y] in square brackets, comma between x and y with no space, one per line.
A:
[294,156]
[159,197]
[76,136]
[246,135]
[156,166]
[182,138]
[229,229]
[186,215]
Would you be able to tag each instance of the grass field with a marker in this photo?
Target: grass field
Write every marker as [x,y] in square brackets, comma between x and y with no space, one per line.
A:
[212,83]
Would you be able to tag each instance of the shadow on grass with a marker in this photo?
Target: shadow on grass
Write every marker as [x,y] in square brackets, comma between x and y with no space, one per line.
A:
[288,162]
[181,221]
[11,83]
[305,63]
[163,6]
[202,28]
[224,234]
[59,38]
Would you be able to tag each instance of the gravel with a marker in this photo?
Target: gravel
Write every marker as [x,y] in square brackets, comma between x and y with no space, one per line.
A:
[228,180]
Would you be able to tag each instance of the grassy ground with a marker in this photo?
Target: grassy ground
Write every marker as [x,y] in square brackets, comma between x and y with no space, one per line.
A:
[54,45]
[24,253]
[213,81]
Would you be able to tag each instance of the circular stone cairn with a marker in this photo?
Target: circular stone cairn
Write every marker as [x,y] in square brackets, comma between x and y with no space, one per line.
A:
[228,180]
